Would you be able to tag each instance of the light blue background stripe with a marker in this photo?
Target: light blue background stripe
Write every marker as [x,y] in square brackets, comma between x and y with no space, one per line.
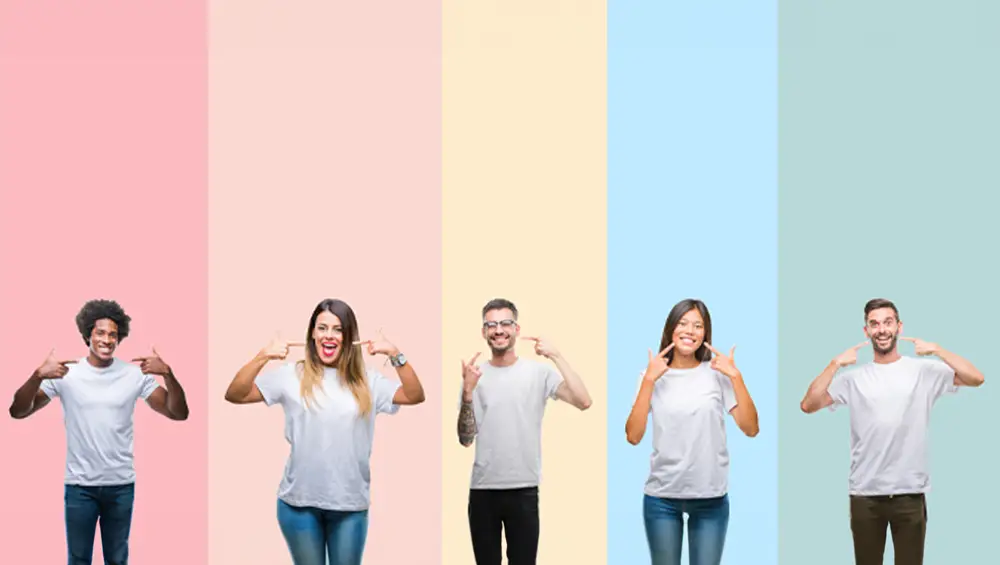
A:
[692,212]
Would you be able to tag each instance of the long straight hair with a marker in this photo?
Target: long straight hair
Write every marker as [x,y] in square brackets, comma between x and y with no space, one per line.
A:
[350,364]
[674,318]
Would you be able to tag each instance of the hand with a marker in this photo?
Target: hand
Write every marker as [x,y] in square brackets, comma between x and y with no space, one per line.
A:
[153,364]
[278,348]
[53,368]
[380,346]
[725,364]
[543,347]
[470,374]
[923,347]
[850,356]
[657,364]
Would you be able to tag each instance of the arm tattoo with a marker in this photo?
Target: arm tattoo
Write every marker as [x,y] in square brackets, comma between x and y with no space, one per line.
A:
[466,424]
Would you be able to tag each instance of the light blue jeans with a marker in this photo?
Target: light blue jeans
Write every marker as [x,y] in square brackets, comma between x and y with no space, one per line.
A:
[313,534]
[708,521]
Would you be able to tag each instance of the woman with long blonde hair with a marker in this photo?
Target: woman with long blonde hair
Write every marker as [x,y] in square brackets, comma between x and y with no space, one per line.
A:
[330,401]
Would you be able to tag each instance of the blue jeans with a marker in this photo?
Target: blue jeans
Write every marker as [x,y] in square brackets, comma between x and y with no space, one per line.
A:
[708,520]
[85,506]
[312,534]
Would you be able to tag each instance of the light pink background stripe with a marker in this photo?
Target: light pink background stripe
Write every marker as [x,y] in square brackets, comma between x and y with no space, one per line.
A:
[325,154]
[103,194]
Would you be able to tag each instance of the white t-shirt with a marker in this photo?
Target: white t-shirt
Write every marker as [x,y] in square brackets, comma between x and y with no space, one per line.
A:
[890,406]
[331,446]
[98,407]
[690,457]
[508,403]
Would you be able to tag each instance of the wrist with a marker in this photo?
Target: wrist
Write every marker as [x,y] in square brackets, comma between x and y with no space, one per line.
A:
[467,395]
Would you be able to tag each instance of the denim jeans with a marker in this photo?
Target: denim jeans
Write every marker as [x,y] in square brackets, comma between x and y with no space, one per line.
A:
[313,534]
[112,507]
[708,520]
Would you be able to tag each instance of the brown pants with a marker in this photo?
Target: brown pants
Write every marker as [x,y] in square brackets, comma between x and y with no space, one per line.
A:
[906,517]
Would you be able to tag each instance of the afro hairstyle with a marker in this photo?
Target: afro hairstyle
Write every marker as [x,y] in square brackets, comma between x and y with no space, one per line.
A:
[95,310]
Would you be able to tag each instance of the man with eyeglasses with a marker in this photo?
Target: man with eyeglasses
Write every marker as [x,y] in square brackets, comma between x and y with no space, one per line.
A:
[502,404]
[890,401]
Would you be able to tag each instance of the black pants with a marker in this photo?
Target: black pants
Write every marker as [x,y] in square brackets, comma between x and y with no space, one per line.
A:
[513,511]
[906,517]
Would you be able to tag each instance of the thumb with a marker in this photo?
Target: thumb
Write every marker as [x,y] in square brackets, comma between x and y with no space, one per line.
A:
[155,352]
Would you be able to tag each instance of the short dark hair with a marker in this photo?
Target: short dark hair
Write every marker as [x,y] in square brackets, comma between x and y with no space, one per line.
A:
[674,318]
[500,304]
[876,303]
[95,310]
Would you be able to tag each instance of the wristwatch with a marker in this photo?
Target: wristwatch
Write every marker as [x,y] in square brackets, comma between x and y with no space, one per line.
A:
[398,360]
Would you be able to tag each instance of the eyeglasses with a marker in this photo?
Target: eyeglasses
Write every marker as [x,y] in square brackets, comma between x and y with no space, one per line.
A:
[505,324]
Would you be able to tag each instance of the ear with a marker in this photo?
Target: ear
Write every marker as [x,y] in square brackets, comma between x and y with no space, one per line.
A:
[517,329]
[868,335]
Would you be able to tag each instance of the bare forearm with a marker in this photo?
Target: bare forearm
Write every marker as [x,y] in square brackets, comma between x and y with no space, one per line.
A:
[635,426]
[466,422]
[746,411]
[410,383]
[176,399]
[24,398]
[577,390]
[965,371]
[242,383]
[819,387]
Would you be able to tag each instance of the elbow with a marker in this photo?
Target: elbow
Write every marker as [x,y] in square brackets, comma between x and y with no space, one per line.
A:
[418,398]
[632,437]
[752,431]
[180,417]
[980,379]
[584,404]
[806,406]
[232,398]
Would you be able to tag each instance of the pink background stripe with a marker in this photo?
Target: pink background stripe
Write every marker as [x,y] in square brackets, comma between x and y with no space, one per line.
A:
[103,194]
[325,181]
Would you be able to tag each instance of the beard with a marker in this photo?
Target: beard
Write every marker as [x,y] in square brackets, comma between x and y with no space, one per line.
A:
[498,351]
[887,349]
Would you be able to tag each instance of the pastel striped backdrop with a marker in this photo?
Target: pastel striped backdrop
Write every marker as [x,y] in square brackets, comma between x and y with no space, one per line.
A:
[219,167]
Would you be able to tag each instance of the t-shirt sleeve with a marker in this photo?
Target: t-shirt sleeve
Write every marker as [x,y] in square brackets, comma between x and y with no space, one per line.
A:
[147,384]
[50,387]
[942,378]
[271,383]
[840,390]
[383,391]
[728,393]
[552,381]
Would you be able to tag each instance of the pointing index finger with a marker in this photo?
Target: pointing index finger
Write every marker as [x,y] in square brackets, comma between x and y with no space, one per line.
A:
[909,339]
[473,360]
[712,349]
[666,349]
[296,344]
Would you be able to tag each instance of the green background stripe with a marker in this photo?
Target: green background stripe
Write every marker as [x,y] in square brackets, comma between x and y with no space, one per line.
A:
[889,167]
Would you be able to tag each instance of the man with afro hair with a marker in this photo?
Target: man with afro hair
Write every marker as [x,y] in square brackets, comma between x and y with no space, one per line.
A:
[98,395]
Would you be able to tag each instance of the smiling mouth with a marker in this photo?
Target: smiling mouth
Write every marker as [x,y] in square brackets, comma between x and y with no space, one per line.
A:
[686,341]
[329,349]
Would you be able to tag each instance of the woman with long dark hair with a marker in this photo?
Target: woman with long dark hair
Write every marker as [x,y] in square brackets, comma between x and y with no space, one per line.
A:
[689,387]
[330,401]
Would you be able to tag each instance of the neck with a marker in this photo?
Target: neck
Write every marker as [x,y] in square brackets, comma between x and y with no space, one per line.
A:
[890,357]
[684,362]
[505,359]
[95,361]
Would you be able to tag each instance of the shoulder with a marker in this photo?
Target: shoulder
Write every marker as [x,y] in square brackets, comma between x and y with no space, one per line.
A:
[929,365]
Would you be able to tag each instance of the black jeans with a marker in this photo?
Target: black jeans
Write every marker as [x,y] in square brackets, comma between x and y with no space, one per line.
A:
[513,511]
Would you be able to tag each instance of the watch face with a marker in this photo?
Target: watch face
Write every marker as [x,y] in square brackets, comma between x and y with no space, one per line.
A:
[400,359]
